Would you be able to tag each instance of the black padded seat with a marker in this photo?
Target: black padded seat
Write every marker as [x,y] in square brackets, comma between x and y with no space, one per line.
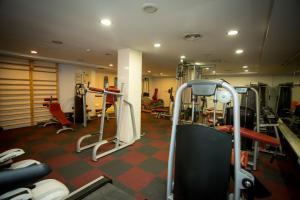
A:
[202,160]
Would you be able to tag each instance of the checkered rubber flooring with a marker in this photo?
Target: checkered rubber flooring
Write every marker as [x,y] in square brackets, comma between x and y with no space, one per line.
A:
[140,169]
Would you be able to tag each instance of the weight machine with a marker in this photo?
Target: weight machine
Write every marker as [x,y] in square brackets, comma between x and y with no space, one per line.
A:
[201,155]
[191,104]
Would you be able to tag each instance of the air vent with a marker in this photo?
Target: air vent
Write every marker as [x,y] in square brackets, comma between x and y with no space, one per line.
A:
[149,8]
[57,42]
[217,60]
[192,36]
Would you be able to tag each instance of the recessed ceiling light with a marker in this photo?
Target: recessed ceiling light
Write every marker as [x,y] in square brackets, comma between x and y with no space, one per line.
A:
[239,51]
[156,45]
[246,70]
[207,68]
[232,32]
[105,22]
[182,57]
[149,71]
[88,50]
[150,8]
[161,73]
[111,65]
[181,60]
[33,52]
[245,67]
[214,72]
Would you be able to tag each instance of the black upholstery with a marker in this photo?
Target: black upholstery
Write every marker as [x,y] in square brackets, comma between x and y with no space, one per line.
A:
[246,122]
[247,119]
[14,178]
[202,163]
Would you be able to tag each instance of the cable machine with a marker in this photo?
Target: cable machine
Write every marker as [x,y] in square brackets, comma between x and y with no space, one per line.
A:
[192,106]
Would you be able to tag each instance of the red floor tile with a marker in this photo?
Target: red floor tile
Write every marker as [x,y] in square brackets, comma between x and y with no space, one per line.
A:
[136,179]
[133,157]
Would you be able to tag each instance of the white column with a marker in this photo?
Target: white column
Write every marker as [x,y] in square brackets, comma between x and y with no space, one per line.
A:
[130,74]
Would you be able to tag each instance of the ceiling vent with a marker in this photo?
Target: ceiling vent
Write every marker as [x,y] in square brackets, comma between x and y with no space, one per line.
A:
[57,42]
[217,60]
[192,36]
[149,8]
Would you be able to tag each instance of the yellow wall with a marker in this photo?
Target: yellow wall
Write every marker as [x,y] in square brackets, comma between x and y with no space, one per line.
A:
[162,84]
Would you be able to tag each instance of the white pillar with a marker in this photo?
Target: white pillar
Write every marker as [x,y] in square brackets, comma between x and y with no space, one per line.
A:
[130,74]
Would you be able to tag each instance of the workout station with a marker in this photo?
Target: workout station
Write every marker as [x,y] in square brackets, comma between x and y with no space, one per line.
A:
[149,100]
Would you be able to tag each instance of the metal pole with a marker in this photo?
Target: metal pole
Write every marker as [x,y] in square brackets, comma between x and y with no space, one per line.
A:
[176,113]
[237,138]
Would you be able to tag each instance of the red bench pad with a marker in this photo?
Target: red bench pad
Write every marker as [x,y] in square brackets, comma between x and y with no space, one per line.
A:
[252,135]
[56,111]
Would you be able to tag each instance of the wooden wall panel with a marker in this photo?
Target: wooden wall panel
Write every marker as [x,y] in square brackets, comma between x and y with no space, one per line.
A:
[23,86]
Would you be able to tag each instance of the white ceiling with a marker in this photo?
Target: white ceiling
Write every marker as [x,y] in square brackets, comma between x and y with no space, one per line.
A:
[33,24]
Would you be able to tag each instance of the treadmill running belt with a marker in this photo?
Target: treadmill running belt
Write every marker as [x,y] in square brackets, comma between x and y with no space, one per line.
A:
[109,192]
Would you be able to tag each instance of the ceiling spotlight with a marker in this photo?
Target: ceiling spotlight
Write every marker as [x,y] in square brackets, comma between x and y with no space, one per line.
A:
[111,65]
[161,73]
[239,51]
[105,22]
[182,57]
[149,71]
[245,67]
[156,45]
[246,70]
[214,72]
[181,60]
[232,32]
[33,52]
[206,68]
[88,50]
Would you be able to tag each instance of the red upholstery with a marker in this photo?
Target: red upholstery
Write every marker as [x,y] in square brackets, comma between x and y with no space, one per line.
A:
[225,128]
[111,99]
[113,89]
[56,111]
[49,99]
[154,97]
[252,135]
[244,158]
[160,109]
[96,89]
[259,137]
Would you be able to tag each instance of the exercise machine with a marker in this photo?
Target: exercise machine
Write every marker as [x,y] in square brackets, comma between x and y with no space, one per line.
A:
[146,86]
[166,111]
[250,124]
[58,115]
[6,159]
[108,93]
[203,154]
[192,106]
[20,184]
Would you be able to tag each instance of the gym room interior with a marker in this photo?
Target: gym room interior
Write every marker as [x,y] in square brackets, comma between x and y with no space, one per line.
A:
[149,99]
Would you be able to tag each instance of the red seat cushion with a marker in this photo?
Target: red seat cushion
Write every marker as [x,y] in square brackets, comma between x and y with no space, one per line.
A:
[56,111]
